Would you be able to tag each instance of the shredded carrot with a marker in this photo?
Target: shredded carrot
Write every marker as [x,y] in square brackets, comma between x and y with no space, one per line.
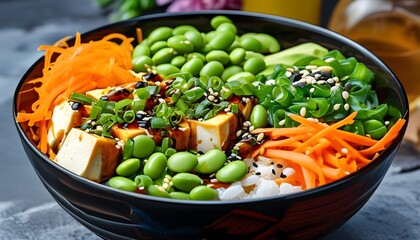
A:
[321,153]
[78,68]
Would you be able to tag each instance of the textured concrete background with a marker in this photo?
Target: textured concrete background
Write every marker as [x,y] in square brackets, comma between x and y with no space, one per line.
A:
[27,211]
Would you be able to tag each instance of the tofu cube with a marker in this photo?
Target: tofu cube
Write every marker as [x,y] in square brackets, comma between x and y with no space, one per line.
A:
[215,132]
[88,155]
[63,119]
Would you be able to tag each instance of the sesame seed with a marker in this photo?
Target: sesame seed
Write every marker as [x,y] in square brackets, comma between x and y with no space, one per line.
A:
[317,76]
[321,82]
[289,171]
[328,60]
[117,146]
[337,106]
[260,137]
[279,165]
[210,98]
[345,95]
[302,111]
[216,94]
[251,128]
[307,152]
[247,124]
[312,90]
[255,164]
[165,180]
[288,74]
[211,90]
[212,175]
[214,180]
[160,188]
[290,69]
[311,67]
[336,79]
[330,81]
[273,171]
[344,150]
[304,73]
[283,176]
[325,68]
[386,123]
[282,122]
[258,173]
[210,185]
[165,185]
[346,106]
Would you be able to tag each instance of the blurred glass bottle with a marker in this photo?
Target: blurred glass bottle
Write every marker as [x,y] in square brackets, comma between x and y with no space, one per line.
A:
[390,29]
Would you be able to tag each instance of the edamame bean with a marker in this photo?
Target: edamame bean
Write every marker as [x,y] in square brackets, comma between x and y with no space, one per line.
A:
[157,191]
[259,116]
[164,55]
[160,34]
[216,21]
[186,181]
[222,40]
[141,63]
[227,27]
[213,68]
[157,46]
[182,29]
[237,55]
[178,61]
[180,195]
[375,128]
[195,38]
[193,66]
[141,50]
[232,172]
[155,165]
[254,65]
[167,69]
[128,167]
[143,180]
[211,161]
[122,183]
[230,71]
[251,44]
[203,193]
[247,76]
[218,55]
[143,146]
[182,162]
[180,44]
[268,42]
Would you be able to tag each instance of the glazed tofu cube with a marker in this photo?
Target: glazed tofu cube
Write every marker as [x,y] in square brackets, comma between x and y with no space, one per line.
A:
[63,119]
[125,133]
[89,155]
[213,133]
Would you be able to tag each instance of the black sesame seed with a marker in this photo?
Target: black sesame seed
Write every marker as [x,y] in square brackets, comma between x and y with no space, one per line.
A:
[325,74]
[279,165]
[300,84]
[255,164]
[149,76]
[104,98]
[75,106]
[273,171]
[258,173]
[272,163]
[141,84]
[315,73]
[296,76]
[283,176]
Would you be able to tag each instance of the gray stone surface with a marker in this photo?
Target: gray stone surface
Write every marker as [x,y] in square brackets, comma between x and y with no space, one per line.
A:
[27,211]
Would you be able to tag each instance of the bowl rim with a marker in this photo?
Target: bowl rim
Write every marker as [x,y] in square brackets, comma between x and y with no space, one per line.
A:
[286,197]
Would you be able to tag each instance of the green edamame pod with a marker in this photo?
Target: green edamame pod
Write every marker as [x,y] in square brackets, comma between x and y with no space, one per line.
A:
[157,46]
[167,69]
[141,63]
[164,55]
[182,162]
[230,71]
[128,167]
[247,76]
[232,172]
[218,55]
[211,161]
[212,68]
[254,65]
[157,191]
[227,27]
[216,21]
[186,181]
[251,44]
[160,34]
[222,40]
[143,180]
[178,61]
[180,44]
[143,146]
[203,193]
[237,55]
[259,116]
[193,66]
[375,128]
[182,29]
[180,195]
[141,50]
[195,38]
[122,183]
[155,165]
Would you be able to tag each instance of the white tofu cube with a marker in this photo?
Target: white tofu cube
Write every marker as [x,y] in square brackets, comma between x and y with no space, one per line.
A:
[89,155]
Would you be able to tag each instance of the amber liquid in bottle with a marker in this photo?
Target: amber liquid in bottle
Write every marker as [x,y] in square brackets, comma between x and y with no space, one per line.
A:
[391,32]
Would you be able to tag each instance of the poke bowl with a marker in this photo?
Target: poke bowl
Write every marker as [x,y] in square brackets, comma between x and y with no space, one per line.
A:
[104,177]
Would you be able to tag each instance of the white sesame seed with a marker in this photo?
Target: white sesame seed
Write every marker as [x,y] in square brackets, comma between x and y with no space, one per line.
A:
[210,98]
[330,81]
[321,82]
[260,137]
[328,60]
[304,73]
[336,79]
[290,69]
[251,128]
[307,152]
[210,185]
[311,67]
[214,180]
[302,111]
[337,106]
[216,94]
[160,188]
[325,68]
[165,185]
[312,90]
[386,123]
[344,150]
[247,124]
[270,82]
[165,180]
[317,76]
[211,90]
[337,84]
[345,95]
[117,146]
[346,106]
[288,74]
[333,88]
[282,122]
[289,171]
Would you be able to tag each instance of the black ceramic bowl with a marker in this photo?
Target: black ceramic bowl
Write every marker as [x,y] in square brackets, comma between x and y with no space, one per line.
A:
[114,214]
